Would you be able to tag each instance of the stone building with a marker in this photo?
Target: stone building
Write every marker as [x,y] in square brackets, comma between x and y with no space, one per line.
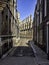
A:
[5,27]
[26,26]
[18,21]
[8,25]
[15,29]
[41,24]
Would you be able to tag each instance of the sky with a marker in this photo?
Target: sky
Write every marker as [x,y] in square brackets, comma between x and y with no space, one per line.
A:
[26,7]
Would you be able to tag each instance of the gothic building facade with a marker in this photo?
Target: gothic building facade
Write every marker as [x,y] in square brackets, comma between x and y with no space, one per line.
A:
[8,25]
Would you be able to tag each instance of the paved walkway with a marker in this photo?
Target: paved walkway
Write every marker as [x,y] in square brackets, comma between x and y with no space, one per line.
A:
[41,56]
[22,42]
[18,61]
[11,60]
[39,59]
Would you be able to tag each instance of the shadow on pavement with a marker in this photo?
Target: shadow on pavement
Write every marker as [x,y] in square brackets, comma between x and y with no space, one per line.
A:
[21,51]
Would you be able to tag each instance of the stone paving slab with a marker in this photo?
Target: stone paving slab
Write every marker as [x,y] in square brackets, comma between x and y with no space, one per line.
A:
[23,51]
[39,52]
[41,56]
[39,59]
[18,61]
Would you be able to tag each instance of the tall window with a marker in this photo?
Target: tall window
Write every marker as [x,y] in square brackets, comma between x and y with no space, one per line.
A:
[45,7]
[40,11]
[40,1]
[41,37]
[40,16]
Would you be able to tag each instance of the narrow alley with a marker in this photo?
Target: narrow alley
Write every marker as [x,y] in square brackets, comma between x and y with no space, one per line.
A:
[24,32]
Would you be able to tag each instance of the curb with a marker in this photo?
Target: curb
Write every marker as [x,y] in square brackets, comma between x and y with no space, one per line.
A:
[32,47]
[6,54]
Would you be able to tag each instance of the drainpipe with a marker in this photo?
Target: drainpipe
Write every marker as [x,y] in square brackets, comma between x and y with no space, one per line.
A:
[8,28]
[47,37]
[47,41]
[0,34]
